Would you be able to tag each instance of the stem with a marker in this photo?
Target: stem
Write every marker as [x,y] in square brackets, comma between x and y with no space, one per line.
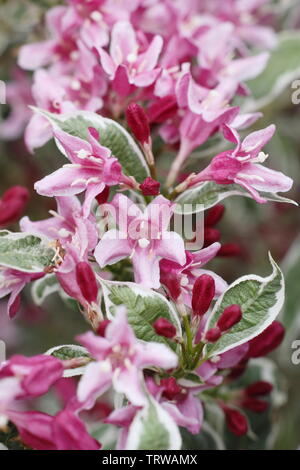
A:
[189,335]
[177,164]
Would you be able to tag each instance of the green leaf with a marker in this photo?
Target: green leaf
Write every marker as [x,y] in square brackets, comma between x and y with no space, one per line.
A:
[65,352]
[153,429]
[208,194]
[112,135]
[25,252]
[43,287]
[283,67]
[261,300]
[143,306]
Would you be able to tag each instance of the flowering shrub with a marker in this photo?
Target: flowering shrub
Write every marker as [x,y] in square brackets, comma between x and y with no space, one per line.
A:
[121,86]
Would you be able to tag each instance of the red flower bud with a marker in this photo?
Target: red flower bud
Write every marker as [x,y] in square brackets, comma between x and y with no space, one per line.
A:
[87,281]
[214,215]
[230,317]
[236,421]
[259,388]
[138,122]
[150,187]
[12,204]
[202,295]
[162,109]
[255,405]
[211,235]
[164,328]
[102,327]
[268,340]
[213,334]
[229,249]
[171,388]
[102,197]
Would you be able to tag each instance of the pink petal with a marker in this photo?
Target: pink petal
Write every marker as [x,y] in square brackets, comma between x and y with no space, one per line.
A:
[111,248]
[171,247]
[129,381]
[34,56]
[95,381]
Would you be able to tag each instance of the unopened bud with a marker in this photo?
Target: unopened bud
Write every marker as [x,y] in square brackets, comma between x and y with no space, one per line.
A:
[164,328]
[150,187]
[102,327]
[171,388]
[12,204]
[236,421]
[268,340]
[102,197]
[230,317]
[87,281]
[203,294]
[214,215]
[255,405]
[229,249]
[211,235]
[259,388]
[162,109]
[213,334]
[138,122]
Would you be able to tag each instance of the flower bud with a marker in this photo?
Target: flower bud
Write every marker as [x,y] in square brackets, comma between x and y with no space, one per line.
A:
[171,388]
[255,405]
[229,249]
[259,388]
[12,204]
[230,317]
[202,295]
[214,215]
[268,340]
[164,328]
[102,327]
[236,421]
[102,197]
[150,187]
[87,281]
[138,122]
[211,235]
[213,334]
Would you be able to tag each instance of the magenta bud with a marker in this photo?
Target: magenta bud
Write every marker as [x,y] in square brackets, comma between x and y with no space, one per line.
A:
[214,215]
[164,328]
[138,122]
[171,388]
[236,421]
[255,405]
[229,249]
[102,197]
[259,388]
[230,317]
[150,187]
[102,327]
[12,204]
[268,340]
[213,334]
[87,281]
[211,235]
[202,295]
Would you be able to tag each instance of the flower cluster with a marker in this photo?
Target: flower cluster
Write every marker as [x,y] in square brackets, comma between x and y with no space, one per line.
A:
[170,337]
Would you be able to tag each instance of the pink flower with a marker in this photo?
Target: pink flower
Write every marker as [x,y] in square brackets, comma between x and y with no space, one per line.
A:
[180,279]
[127,61]
[65,431]
[92,168]
[143,236]
[120,359]
[12,282]
[64,223]
[242,166]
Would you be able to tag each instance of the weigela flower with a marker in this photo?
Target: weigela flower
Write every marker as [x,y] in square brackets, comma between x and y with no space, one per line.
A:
[242,166]
[144,237]
[119,361]
[92,168]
